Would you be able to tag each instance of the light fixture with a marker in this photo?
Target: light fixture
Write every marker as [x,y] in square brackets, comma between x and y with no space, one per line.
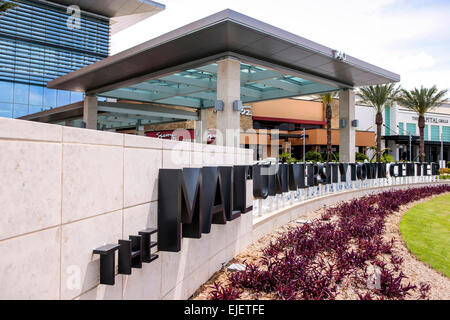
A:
[237,106]
[218,105]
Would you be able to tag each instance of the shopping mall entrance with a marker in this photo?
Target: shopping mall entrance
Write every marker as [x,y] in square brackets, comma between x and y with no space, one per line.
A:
[219,64]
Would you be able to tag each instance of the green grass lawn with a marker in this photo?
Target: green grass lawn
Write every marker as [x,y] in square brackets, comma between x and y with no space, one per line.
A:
[426,232]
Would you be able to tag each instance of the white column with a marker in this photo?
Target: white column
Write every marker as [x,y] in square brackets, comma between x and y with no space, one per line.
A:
[90,112]
[229,90]
[394,118]
[347,135]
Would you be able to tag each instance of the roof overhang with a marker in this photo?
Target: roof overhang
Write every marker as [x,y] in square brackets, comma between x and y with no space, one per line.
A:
[402,139]
[114,8]
[224,34]
[115,115]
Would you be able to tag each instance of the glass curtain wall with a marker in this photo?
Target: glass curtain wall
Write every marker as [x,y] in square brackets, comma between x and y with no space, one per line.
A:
[37,46]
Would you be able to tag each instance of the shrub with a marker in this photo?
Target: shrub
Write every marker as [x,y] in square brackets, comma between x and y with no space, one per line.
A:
[387,158]
[448,164]
[335,157]
[313,156]
[287,158]
[294,266]
[224,292]
[361,157]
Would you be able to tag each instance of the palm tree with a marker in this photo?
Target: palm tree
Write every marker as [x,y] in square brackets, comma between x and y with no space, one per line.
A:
[4,6]
[327,100]
[421,101]
[377,97]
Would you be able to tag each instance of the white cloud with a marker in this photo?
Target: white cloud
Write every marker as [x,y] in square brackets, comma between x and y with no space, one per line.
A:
[408,37]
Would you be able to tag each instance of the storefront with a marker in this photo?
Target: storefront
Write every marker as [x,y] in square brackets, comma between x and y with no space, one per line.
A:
[401,132]
[288,117]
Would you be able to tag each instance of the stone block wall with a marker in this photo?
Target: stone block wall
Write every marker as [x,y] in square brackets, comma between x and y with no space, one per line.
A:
[66,191]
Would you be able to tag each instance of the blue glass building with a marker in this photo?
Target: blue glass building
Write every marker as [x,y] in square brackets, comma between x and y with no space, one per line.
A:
[37,46]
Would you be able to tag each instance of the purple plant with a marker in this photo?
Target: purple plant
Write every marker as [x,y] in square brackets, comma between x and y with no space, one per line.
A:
[424,290]
[307,262]
[391,285]
[224,292]
[396,262]
[367,296]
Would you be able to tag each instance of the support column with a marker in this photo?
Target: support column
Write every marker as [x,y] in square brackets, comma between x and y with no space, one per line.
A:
[347,135]
[140,129]
[201,126]
[90,112]
[229,90]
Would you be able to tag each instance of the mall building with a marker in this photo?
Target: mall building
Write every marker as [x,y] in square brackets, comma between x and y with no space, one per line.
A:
[37,46]
[241,74]
[41,40]
[76,189]
[290,118]
[401,132]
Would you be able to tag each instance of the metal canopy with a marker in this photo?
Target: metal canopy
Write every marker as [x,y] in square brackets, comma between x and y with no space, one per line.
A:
[114,115]
[223,34]
[197,88]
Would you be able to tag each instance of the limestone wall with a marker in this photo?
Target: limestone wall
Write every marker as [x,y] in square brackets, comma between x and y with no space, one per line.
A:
[66,191]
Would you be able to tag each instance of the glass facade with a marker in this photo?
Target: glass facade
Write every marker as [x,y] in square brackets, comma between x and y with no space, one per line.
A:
[411,128]
[435,134]
[446,134]
[401,130]
[37,46]
[387,120]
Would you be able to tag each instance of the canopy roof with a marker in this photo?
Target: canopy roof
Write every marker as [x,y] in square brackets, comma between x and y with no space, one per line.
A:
[180,69]
[224,34]
[114,8]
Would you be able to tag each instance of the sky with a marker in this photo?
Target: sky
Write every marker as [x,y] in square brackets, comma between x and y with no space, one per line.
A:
[408,37]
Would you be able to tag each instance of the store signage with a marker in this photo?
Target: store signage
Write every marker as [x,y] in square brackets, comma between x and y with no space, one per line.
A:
[339,55]
[192,199]
[270,180]
[180,135]
[432,120]
[247,111]
[132,253]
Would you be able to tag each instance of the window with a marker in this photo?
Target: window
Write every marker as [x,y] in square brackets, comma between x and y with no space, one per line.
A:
[401,130]
[426,134]
[435,133]
[63,98]
[36,95]
[49,98]
[34,109]
[446,134]
[76,97]
[20,110]
[411,128]
[21,93]
[5,110]
[6,91]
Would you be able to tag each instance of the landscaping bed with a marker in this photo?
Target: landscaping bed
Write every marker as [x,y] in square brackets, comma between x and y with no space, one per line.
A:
[350,251]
